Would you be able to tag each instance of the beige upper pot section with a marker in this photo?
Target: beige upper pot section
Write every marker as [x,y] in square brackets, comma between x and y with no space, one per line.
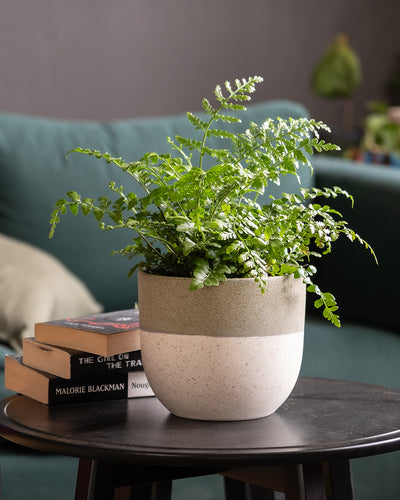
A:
[234,308]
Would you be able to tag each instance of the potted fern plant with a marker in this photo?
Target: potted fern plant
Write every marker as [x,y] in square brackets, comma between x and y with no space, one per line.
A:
[223,279]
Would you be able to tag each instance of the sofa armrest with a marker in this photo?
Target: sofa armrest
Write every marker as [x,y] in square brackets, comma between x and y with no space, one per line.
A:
[366,292]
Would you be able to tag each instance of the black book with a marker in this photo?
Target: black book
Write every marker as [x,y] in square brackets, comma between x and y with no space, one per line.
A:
[71,363]
[50,389]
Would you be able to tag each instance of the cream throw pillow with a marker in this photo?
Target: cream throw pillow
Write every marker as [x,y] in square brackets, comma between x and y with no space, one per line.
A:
[36,287]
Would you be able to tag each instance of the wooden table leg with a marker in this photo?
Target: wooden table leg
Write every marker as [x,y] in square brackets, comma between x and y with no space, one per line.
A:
[298,482]
[314,482]
[236,490]
[102,482]
[259,493]
[340,480]
[270,480]
[242,490]
[83,478]
[97,480]
[293,482]
[160,491]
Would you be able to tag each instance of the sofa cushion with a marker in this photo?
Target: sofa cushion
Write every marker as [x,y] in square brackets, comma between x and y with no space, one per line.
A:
[34,287]
[35,173]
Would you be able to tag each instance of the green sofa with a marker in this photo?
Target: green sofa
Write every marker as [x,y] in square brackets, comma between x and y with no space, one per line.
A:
[34,173]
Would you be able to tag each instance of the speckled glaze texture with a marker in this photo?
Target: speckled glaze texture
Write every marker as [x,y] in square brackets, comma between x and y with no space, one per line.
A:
[221,353]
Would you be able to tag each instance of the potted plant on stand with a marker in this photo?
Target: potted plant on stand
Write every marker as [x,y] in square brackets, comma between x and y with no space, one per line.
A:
[223,281]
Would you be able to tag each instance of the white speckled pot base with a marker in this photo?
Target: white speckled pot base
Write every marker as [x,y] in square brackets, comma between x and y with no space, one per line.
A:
[224,352]
[222,378]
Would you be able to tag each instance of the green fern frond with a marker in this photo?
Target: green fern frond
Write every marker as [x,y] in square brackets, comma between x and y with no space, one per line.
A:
[220,133]
[227,118]
[208,223]
[97,154]
[208,108]
[197,122]
[191,144]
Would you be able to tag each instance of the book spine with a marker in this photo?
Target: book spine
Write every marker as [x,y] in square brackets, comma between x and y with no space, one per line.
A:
[106,323]
[85,364]
[114,386]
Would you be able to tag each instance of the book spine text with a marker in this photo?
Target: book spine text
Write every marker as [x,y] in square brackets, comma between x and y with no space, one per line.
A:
[93,364]
[114,386]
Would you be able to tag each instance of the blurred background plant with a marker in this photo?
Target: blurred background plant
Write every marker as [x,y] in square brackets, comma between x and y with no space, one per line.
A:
[381,139]
[380,142]
[337,75]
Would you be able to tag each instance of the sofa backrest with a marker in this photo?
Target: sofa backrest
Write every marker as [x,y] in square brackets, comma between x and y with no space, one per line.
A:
[34,173]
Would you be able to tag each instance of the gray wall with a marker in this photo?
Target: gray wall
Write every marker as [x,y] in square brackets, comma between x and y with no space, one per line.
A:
[109,59]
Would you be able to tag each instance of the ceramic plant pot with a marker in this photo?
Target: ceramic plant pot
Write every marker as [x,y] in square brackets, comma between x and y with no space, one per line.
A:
[221,353]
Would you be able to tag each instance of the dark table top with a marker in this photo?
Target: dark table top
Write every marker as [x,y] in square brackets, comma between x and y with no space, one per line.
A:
[322,420]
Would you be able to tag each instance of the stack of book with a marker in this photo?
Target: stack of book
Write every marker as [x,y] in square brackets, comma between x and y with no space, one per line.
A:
[81,359]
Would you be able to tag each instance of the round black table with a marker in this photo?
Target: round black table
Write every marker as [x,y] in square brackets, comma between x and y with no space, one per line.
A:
[303,449]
